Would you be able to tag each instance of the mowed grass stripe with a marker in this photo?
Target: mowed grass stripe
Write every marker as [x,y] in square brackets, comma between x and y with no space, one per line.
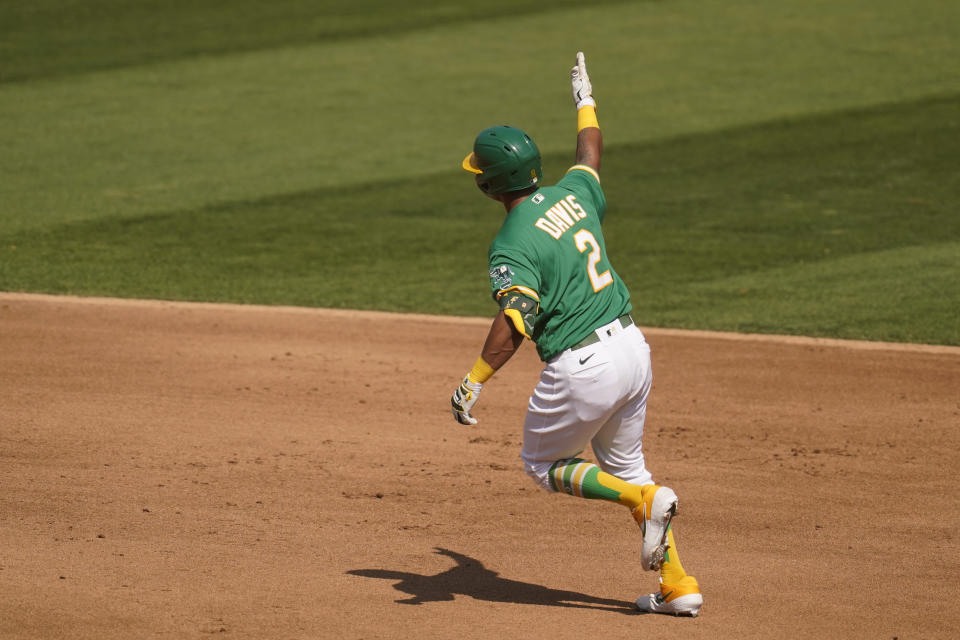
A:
[45,38]
[807,226]
[908,294]
[798,190]
[189,132]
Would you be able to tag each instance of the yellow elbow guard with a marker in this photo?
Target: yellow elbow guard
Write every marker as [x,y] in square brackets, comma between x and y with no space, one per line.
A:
[587,117]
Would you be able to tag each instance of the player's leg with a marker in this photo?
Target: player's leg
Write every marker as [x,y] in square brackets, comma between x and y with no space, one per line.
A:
[583,479]
[570,404]
[560,423]
[679,592]
[618,447]
[573,405]
[672,571]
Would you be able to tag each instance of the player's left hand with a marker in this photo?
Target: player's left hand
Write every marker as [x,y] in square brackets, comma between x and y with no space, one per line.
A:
[463,400]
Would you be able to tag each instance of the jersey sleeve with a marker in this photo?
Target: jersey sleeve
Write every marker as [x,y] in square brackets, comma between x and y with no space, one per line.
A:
[584,181]
[512,270]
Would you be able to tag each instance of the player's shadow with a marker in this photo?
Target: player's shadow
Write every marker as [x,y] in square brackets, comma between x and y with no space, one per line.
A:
[470,578]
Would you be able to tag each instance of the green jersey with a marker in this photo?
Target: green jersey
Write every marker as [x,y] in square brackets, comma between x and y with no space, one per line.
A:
[551,249]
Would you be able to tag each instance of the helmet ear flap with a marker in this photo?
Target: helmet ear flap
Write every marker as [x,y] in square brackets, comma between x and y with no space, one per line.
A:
[486,187]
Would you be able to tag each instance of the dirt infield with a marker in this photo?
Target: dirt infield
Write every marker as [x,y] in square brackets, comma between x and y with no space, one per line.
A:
[178,470]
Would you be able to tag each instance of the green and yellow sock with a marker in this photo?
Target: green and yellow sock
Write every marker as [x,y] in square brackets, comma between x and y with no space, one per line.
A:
[671,572]
[577,477]
[583,479]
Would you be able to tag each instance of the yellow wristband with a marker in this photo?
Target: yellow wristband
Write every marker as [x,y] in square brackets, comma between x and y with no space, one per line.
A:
[481,371]
[587,117]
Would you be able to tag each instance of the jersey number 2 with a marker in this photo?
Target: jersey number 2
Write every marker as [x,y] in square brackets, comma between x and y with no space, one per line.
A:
[586,240]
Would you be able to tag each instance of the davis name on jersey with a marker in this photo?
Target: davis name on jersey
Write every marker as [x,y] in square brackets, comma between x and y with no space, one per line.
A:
[561,217]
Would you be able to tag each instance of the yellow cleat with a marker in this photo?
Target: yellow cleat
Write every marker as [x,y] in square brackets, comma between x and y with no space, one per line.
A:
[683,599]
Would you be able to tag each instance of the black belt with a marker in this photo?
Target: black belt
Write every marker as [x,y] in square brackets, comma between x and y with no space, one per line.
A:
[593,338]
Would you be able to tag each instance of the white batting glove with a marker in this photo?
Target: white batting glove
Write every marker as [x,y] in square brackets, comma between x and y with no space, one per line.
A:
[463,400]
[580,84]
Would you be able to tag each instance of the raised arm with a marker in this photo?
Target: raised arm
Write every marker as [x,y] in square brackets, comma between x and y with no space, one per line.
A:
[589,138]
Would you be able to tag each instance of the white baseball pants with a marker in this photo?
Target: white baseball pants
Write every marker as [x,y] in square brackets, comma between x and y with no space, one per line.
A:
[598,395]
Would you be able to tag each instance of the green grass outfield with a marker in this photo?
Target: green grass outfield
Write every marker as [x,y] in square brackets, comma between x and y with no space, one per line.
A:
[786,167]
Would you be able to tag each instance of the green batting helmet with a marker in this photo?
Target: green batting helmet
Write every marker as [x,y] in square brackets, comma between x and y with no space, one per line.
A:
[504,159]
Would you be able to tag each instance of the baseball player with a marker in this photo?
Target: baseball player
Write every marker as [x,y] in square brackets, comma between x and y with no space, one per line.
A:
[550,273]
